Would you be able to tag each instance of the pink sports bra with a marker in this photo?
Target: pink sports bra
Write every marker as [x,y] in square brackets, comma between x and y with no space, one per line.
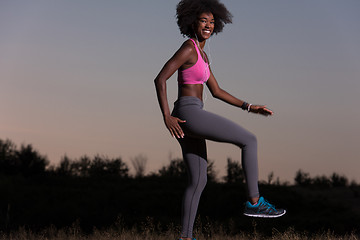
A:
[199,73]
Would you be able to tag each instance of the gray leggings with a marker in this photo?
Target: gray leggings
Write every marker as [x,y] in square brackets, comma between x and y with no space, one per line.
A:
[199,126]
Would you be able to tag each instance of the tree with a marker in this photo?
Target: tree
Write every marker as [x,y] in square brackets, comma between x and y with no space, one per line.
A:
[211,172]
[26,161]
[98,166]
[177,168]
[139,164]
[83,166]
[302,178]
[64,168]
[321,181]
[7,157]
[31,162]
[335,180]
[234,172]
[338,181]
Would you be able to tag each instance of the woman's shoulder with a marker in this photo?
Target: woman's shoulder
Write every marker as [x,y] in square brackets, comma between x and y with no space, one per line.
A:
[186,53]
[189,41]
[188,47]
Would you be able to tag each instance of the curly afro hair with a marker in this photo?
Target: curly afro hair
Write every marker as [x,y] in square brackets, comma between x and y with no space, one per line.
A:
[187,12]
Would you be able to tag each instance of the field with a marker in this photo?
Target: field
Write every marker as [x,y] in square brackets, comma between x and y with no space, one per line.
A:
[149,231]
[113,234]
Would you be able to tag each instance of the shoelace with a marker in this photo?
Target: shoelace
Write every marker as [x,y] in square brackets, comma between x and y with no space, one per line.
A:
[268,205]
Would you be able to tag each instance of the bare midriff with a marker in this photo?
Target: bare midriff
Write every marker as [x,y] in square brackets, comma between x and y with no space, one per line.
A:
[194,90]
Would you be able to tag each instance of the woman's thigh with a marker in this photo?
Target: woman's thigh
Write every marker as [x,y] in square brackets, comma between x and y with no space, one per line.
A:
[202,124]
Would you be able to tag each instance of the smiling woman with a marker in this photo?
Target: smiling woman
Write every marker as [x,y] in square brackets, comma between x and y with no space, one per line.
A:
[191,125]
[188,12]
[205,25]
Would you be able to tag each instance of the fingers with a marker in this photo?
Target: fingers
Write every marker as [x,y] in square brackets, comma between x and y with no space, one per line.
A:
[177,132]
[175,129]
[264,110]
[268,111]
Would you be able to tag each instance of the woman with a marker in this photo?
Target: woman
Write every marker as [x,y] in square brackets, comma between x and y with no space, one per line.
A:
[191,125]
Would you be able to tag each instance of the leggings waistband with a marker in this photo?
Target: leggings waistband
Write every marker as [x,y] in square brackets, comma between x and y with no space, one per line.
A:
[188,100]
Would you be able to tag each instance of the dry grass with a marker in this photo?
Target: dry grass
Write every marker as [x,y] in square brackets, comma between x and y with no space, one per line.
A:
[113,234]
[148,230]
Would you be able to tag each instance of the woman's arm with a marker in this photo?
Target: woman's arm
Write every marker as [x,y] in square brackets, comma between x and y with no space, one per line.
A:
[221,94]
[180,58]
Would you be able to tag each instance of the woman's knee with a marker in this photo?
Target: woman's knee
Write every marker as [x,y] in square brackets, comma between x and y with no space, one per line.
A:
[252,138]
[199,182]
[248,140]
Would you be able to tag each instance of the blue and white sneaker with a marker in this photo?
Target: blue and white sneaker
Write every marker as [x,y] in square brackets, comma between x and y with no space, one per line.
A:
[262,209]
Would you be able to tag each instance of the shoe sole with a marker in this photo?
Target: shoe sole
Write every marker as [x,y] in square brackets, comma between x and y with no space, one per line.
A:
[265,216]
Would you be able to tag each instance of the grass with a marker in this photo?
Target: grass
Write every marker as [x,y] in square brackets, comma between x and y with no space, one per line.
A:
[149,231]
[52,234]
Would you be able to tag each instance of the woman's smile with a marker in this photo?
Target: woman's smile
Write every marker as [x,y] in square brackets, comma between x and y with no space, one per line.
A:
[205,26]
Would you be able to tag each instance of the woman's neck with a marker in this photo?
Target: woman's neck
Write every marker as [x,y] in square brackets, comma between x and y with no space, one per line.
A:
[200,44]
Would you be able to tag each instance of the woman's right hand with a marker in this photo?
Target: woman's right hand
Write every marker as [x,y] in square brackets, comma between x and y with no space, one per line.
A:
[172,124]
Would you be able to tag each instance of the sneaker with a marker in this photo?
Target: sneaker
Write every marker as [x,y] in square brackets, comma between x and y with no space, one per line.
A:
[262,209]
[182,239]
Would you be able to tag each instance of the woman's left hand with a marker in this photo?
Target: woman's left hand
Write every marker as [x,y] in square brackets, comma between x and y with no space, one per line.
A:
[260,109]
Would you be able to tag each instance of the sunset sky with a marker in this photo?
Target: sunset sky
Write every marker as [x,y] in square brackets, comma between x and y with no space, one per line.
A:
[76,78]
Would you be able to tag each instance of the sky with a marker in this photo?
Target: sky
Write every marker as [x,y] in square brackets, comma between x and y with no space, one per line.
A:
[76,78]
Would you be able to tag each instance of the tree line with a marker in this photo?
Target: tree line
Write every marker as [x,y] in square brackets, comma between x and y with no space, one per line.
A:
[27,161]
[96,191]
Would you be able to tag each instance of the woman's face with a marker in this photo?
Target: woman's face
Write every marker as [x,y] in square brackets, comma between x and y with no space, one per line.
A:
[204,26]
